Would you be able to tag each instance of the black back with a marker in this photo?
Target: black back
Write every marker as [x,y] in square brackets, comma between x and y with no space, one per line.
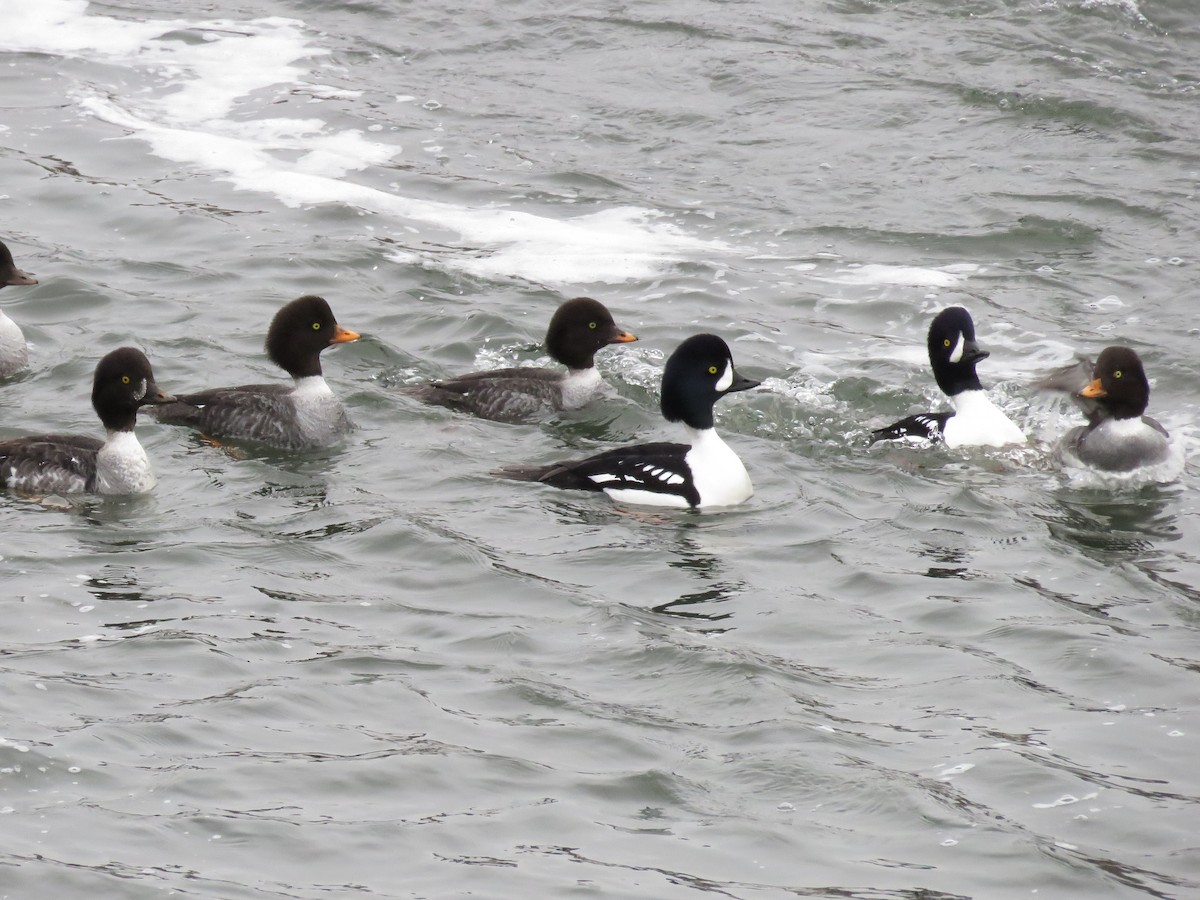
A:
[927,426]
[642,467]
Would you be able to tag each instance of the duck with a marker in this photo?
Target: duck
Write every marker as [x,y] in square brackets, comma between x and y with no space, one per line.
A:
[703,473]
[578,329]
[74,463]
[1118,437]
[975,420]
[14,353]
[303,415]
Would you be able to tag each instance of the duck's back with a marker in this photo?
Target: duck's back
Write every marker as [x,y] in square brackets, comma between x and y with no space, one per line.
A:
[51,463]
[504,395]
[256,412]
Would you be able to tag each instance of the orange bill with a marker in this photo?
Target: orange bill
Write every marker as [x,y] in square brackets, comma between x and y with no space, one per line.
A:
[1095,389]
[622,337]
[343,336]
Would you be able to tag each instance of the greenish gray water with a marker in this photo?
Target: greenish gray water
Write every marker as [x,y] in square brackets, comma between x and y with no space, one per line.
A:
[380,671]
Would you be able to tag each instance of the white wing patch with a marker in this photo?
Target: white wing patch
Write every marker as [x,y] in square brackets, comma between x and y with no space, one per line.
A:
[645,472]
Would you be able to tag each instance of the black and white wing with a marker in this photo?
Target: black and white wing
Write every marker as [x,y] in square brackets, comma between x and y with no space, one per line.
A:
[652,469]
[921,427]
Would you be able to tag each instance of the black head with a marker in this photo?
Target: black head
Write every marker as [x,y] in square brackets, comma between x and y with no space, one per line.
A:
[300,331]
[9,273]
[1119,383]
[698,373]
[953,351]
[124,382]
[578,329]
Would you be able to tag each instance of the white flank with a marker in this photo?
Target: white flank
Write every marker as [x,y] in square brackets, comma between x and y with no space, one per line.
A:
[646,498]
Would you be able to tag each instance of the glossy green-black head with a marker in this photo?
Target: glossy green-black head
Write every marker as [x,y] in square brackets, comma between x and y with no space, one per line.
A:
[697,374]
[123,383]
[578,329]
[1119,383]
[9,273]
[300,331]
[953,351]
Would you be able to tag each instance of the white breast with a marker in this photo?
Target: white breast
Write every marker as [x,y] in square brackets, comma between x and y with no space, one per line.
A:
[122,466]
[979,422]
[718,474]
[14,353]
[320,416]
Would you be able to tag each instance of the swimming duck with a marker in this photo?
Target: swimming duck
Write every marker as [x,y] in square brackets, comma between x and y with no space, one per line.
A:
[577,330]
[14,353]
[702,473]
[71,463]
[302,415]
[975,420]
[1118,437]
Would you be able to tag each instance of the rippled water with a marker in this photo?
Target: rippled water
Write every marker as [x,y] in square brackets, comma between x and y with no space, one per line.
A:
[380,671]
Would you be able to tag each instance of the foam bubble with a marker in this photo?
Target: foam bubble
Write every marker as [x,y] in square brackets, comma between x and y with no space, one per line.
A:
[915,276]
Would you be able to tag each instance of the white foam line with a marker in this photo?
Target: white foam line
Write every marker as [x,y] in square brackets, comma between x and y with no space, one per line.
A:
[614,244]
[210,74]
[916,276]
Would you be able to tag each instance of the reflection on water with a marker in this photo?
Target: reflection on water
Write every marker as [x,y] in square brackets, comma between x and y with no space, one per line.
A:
[1111,528]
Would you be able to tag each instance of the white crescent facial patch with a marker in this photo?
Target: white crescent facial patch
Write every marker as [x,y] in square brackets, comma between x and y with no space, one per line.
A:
[957,352]
[726,379]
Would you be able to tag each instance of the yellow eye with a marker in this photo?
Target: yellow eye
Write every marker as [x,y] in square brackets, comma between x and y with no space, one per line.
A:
[591,325]
[316,326]
[946,342]
[712,370]
[1117,374]
[124,379]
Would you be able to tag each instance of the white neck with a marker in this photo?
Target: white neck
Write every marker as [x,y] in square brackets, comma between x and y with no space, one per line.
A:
[1124,427]
[579,386]
[311,386]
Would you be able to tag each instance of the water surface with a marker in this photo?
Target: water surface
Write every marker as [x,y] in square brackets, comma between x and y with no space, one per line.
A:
[379,671]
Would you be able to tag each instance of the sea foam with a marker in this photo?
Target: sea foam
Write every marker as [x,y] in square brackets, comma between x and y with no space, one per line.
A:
[212,83]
